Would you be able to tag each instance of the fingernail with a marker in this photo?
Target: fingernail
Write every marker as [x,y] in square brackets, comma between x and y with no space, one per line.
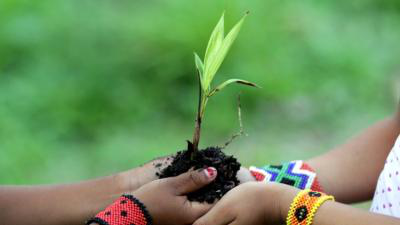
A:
[210,172]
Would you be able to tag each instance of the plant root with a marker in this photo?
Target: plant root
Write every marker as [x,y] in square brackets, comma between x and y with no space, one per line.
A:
[241,130]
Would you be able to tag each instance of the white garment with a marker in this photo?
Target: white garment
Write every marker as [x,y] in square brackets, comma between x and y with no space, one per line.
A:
[387,194]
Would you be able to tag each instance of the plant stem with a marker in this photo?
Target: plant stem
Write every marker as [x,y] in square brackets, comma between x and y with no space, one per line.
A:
[196,135]
[199,118]
[197,128]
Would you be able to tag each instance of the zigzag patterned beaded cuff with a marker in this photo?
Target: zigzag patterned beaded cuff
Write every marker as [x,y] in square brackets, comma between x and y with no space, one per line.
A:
[127,210]
[296,173]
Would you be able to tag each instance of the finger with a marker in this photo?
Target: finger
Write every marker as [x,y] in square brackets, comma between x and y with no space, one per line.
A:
[216,216]
[193,180]
[213,221]
[244,175]
[197,209]
[236,223]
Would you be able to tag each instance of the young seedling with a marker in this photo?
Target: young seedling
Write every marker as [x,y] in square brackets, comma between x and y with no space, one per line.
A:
[193,158]
[217,48]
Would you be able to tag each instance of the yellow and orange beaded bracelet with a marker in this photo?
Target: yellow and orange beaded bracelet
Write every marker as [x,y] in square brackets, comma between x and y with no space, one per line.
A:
[304,207]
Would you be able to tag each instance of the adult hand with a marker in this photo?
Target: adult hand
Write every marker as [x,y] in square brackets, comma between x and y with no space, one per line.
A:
[250,203]
[166,198]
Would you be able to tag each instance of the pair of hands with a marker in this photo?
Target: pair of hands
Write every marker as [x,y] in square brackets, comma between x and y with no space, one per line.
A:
[249,203]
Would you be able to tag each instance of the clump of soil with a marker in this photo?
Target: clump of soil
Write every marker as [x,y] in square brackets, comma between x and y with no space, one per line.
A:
[227,167]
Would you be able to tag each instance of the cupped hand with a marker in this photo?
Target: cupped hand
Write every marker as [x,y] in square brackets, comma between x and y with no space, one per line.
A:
[250,203]
[166,198]
[135,178]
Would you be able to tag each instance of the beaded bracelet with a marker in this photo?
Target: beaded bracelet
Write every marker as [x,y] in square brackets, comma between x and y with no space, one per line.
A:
[126,210]
[304,206]
[296,173]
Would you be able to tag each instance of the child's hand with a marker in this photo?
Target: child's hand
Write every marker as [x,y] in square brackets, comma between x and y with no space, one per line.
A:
[166,198]
[250,203]
[133,179]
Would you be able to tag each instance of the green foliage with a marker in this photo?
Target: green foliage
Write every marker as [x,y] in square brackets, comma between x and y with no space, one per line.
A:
[230,81]
[217,49]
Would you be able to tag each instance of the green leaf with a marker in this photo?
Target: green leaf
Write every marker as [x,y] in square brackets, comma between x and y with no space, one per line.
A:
[212,66]
[200,68]
[216,38]
[230,81]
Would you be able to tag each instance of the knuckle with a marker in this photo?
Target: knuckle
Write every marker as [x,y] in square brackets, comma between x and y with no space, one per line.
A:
[200,222]
[166,184]
[195,178]
[189,217]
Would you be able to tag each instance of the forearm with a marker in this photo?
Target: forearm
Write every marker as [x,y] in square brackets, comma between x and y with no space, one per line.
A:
[57,204]
[334,213]
[350,171]
[69,203]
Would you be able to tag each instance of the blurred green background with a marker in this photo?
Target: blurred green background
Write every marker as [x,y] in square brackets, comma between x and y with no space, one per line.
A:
[89,88]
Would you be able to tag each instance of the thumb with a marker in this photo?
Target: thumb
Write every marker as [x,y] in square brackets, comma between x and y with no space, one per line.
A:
[193,180]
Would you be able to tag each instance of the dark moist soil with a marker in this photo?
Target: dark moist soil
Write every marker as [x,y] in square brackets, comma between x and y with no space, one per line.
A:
[227,167]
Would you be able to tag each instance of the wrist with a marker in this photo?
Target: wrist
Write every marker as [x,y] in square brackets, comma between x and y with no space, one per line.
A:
[133,179]
[285,200]
[278,198]
[123,182]
[125,210]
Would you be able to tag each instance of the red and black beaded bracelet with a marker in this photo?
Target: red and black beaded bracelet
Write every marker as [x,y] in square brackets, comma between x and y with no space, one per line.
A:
[126,210]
